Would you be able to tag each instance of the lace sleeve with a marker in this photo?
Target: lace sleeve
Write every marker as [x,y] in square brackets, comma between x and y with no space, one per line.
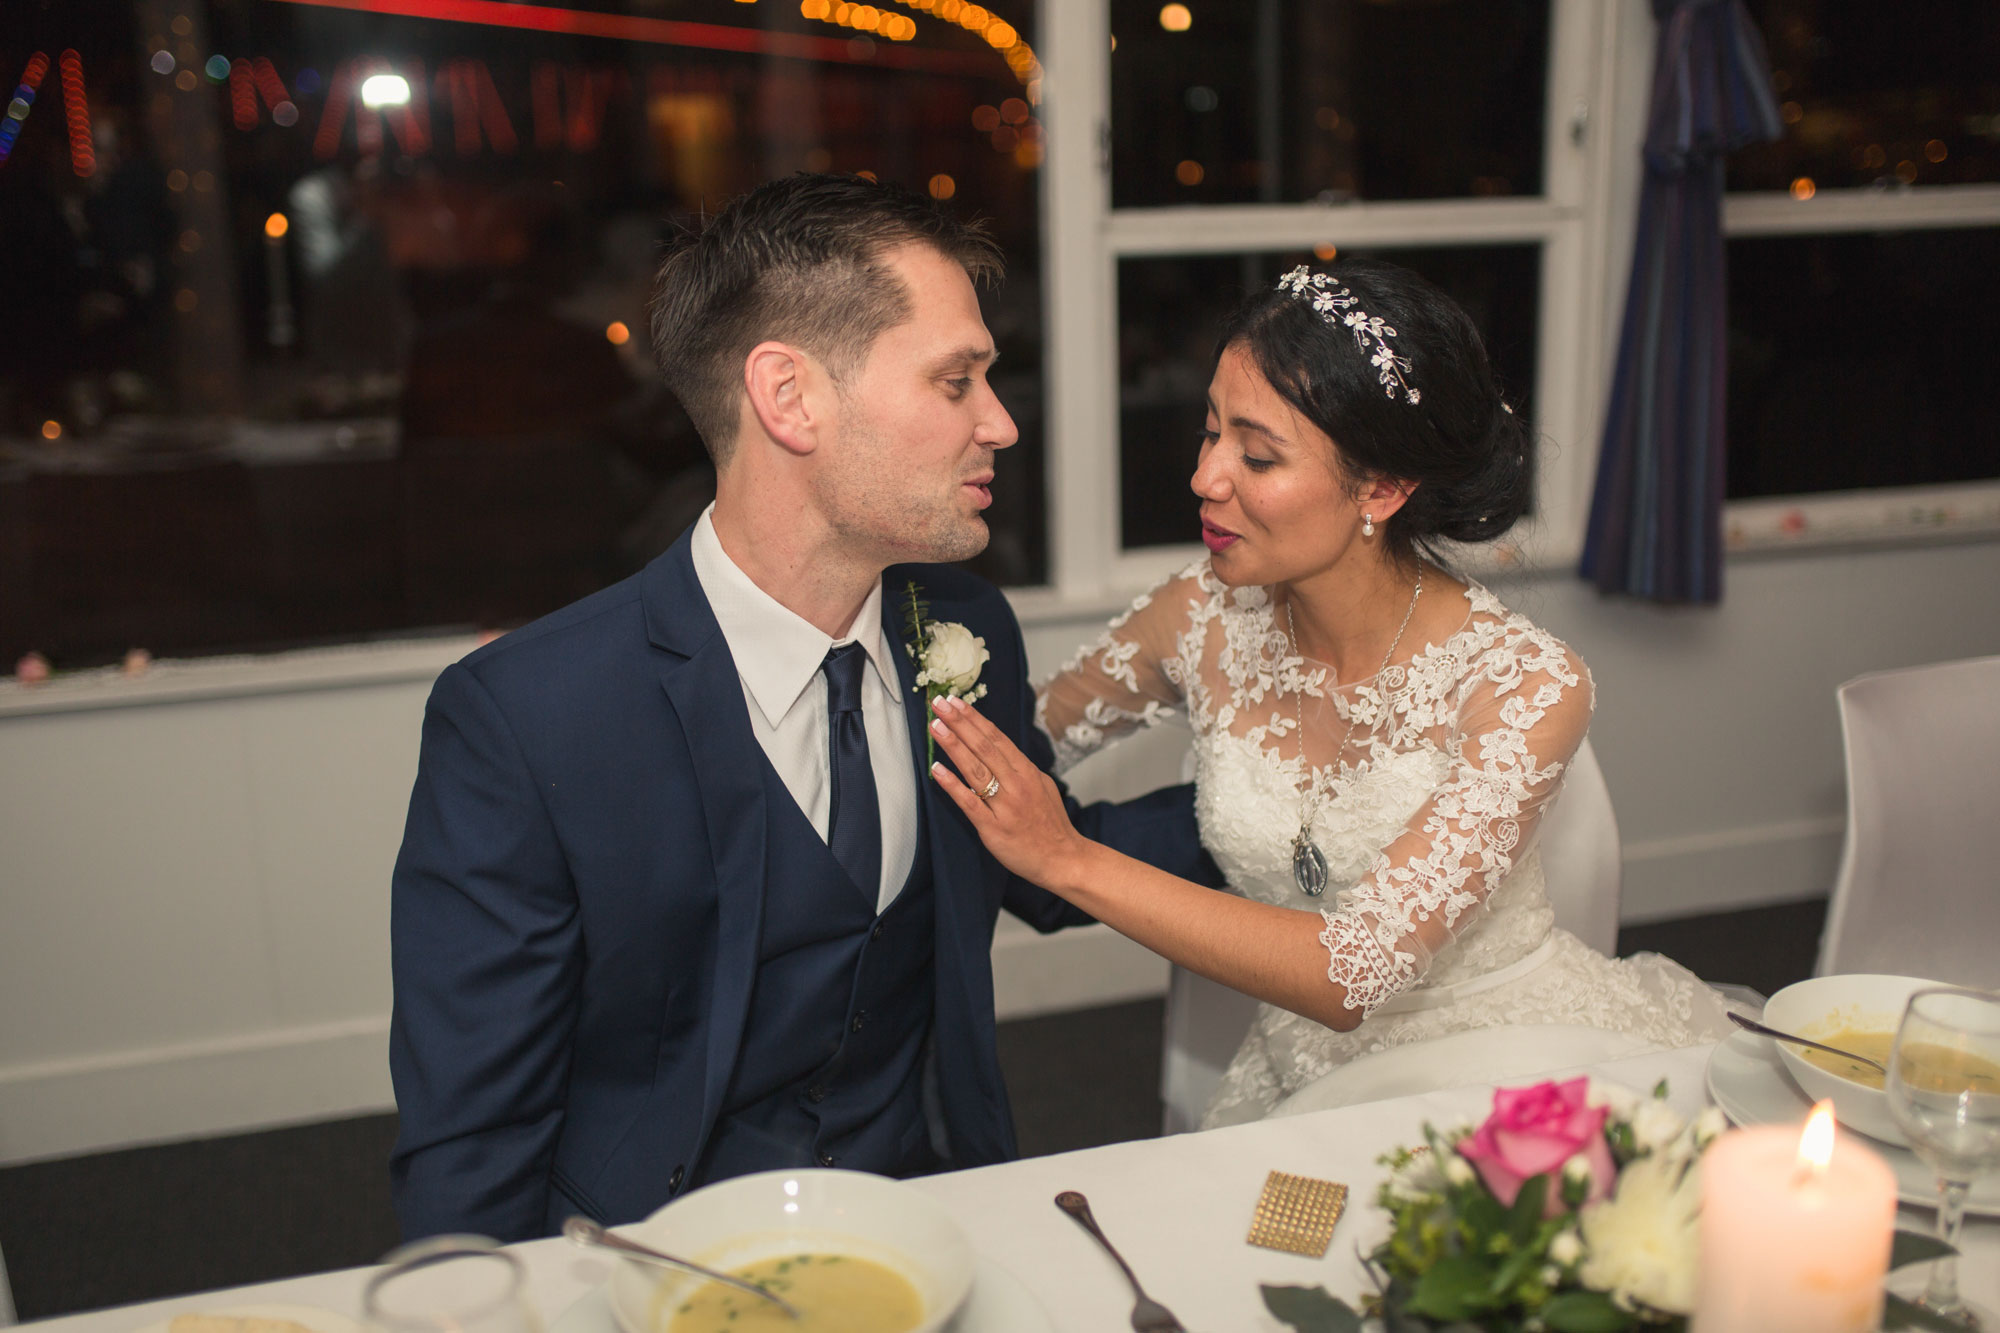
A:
[1525,705]
[1133,676]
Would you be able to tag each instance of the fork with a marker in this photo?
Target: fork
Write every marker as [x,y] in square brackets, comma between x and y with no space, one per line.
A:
[1148,1316]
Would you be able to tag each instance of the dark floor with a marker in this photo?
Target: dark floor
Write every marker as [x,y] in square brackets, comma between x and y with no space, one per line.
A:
[87,1232]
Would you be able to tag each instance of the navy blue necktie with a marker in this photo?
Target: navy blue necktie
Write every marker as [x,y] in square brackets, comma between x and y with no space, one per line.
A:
[854,817]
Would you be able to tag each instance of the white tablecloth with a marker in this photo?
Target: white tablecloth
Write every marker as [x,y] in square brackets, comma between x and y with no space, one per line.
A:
[1178,1208]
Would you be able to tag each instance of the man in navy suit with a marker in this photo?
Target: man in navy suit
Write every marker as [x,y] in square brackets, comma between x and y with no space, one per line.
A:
[677,899]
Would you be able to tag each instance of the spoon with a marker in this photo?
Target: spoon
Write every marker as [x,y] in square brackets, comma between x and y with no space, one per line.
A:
[1762,1031]
[580,1230]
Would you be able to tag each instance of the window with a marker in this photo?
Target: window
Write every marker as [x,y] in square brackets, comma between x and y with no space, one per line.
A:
[336,321]
[1861,292]
[1326,100]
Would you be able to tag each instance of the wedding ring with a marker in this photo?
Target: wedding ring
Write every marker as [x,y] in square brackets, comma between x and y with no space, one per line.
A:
[991,789]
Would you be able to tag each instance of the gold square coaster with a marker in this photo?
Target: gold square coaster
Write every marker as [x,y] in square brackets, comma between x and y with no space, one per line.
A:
[1297,1214]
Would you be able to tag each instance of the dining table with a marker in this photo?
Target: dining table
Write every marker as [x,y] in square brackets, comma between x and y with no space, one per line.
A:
[1178,1208]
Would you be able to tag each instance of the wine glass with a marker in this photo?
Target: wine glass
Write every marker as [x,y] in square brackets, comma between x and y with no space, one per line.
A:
[450,1284]
[1944,1092]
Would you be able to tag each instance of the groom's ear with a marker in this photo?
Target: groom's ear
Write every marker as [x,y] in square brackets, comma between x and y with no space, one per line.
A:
[788,392]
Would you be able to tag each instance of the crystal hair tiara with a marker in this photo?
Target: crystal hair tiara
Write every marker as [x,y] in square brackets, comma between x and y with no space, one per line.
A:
[1338,306]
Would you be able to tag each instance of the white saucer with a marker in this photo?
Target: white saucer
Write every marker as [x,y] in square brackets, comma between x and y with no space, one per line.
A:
[310,1316]
[998,1304]
[1749,1083]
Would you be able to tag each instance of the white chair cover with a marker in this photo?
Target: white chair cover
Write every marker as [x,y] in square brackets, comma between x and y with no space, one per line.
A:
[1918,893]
[1206,1021]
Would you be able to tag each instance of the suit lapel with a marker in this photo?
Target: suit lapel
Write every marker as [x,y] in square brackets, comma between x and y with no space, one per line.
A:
[701,680]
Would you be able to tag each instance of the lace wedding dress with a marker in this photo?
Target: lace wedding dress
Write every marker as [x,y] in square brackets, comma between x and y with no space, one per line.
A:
[1436,920]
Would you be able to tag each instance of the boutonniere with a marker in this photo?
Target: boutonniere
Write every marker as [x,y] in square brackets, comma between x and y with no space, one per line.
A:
[949,658]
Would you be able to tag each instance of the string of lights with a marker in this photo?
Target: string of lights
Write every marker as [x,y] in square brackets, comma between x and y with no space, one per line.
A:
[23,101]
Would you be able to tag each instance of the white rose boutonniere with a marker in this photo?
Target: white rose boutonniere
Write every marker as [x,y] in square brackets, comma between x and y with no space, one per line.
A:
[949,658]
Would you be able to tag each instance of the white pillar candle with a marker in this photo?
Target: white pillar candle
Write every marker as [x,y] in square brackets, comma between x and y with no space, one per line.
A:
[1789,1246]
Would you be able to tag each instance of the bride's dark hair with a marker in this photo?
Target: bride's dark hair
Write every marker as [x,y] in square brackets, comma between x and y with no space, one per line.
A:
[1469,456]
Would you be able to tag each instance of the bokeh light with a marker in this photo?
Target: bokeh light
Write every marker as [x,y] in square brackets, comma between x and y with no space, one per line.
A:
[1176,18]
[942,186]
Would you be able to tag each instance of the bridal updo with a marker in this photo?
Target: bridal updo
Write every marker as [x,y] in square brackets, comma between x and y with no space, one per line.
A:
[1442,424]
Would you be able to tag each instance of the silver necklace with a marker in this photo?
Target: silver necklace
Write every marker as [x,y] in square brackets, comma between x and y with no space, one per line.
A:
[1308,862]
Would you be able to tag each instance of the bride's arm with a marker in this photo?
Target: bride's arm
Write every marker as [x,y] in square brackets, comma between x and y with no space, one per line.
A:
[1523,721]
[1129,679]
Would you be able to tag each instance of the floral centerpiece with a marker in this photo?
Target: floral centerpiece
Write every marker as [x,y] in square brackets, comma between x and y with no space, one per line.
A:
[1572,1209]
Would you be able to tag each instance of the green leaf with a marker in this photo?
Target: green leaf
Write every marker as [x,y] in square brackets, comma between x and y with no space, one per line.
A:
[1899,1313]
[1526,1214]
[1585,1312]
[1482,1215]
[1453,1288]
[1310,1310]
[1914,1247]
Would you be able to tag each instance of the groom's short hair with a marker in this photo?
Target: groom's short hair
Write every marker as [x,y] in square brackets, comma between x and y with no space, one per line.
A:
[797,260]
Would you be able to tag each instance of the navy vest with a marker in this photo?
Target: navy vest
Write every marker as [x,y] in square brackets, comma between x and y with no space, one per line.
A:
[833,1066]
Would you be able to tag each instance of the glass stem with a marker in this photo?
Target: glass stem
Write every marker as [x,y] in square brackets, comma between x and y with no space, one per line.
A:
[1941,1295]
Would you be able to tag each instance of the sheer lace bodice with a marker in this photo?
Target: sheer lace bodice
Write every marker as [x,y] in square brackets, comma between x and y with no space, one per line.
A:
[1428,809]
[1429,783]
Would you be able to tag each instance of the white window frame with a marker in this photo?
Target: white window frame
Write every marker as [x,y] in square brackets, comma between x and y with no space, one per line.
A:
[1600,73]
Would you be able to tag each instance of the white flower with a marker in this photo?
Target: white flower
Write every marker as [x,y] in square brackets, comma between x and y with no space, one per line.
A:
[1642,1242]
[1624,1102]
[1655,1126]
[1566,1248]
[1457,1170]
[1418,1178]
[1551,1275]
[952,659]
[1576,1168]
[1708,1126]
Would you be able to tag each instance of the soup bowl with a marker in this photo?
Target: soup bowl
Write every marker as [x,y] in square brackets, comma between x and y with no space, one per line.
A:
[1822,1008]
[778,1214]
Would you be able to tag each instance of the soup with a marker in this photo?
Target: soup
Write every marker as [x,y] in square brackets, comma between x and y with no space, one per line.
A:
[1874,1045]
[1946,1069]
[1930,1068]
[834,1293]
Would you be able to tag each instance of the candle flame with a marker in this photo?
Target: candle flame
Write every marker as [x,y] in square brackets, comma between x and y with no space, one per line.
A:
[1816,1142]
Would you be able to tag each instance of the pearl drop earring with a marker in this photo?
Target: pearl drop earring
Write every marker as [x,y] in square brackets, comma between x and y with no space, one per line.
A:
[1368,525]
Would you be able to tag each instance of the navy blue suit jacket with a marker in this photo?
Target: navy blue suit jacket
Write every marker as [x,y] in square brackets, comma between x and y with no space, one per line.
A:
[578,901]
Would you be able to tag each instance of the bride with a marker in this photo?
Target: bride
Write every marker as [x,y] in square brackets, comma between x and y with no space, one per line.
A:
[1375,739]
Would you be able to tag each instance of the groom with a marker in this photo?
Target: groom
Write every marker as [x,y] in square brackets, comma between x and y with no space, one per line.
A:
[677,899]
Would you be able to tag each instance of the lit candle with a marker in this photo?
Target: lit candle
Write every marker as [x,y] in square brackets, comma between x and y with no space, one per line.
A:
[1795,1231]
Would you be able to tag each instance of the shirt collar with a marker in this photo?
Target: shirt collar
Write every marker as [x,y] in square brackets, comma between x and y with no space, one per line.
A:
[778,653]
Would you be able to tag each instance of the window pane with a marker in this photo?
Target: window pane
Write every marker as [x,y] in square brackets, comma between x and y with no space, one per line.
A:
[1289,100]
[1885,95]
[302,369]
[1858,361]
[1169,311]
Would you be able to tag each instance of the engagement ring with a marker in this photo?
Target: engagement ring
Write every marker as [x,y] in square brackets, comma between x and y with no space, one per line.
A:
[991,789]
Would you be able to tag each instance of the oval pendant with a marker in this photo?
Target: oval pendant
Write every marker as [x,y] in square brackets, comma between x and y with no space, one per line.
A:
[1308,867]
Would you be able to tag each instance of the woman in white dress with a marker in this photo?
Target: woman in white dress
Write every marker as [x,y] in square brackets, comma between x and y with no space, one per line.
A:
[1375,739]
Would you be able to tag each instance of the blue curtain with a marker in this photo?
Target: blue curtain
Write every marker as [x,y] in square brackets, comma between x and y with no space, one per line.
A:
[1656,514]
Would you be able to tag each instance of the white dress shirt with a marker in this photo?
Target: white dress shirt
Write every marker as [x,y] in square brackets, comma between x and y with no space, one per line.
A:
[778,657]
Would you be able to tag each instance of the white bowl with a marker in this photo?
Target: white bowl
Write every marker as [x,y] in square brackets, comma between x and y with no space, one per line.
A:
[1823,1006]
[750,1218]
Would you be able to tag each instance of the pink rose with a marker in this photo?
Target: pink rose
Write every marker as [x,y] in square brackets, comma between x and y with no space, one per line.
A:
[1532,1132]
